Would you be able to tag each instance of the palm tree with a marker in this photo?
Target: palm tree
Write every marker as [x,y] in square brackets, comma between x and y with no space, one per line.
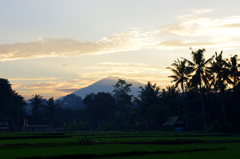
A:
[36,103]
[199,65]
[149,95]
[171,96]
[221,76]
[170,92]
[234,67]
[50,108]
[181,75]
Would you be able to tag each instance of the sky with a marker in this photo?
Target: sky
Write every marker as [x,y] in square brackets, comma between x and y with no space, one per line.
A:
[55,47]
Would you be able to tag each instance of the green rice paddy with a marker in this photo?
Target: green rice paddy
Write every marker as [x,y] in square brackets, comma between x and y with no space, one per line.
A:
[114,145]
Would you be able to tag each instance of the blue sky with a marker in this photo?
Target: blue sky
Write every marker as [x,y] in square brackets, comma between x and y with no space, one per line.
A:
[54,47]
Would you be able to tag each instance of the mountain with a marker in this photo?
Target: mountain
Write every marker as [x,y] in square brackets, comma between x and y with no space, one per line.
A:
[106,85]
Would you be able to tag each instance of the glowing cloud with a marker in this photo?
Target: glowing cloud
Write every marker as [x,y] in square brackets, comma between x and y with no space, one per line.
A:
[192,29]
[51,47]
[64,65]
[37,78]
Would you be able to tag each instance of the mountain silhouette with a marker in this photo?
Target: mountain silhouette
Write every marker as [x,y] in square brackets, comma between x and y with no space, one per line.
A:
[106,85]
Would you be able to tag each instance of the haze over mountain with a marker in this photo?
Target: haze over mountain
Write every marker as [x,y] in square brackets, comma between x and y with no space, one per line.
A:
[106,85]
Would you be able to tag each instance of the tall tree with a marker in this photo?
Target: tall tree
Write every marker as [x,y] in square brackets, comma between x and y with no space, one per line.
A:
[149,95]
[11,103]
[181,75]
[36,103]
[121,90]
[199,65]
[123,99]
[71,101]
[172,97]
[100,108]
[5,96]
[121,87]
[221,78]
[234,70]
[50,108]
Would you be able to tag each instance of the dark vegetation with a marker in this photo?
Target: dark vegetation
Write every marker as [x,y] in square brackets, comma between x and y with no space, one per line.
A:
[208,99]
[99,145]
[127,154]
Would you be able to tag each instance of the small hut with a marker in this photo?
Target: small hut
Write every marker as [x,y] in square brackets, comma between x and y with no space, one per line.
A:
[174,122]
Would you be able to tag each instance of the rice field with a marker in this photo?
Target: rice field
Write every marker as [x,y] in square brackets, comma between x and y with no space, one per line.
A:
[114,145]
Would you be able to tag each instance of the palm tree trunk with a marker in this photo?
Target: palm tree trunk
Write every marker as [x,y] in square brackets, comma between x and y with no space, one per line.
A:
[224,114]
[234,83]
[234,88]
[204,119]
[184,109]
[203,109]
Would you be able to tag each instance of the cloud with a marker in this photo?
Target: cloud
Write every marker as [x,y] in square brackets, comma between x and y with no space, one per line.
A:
[182,43]
[220,30]
[141,77]
[192,29]
[61,85]
[52,47]
[67,90]
[137,71]
[201,11]
[14,85]
[233,25]
[64,65]
[127,68]
[123,64]
[54,88]
[37,78]
[58,88]
[44,85]
[41,91]
[51,84]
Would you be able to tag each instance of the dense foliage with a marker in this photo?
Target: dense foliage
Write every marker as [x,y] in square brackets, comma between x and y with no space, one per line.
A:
[205,96]
[11,103]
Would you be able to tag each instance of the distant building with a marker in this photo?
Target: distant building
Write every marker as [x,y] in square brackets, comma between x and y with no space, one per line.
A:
[175,122]
[36,125]
[4,122]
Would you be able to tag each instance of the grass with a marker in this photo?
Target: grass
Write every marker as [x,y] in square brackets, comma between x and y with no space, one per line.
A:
[15,148]
[99,149]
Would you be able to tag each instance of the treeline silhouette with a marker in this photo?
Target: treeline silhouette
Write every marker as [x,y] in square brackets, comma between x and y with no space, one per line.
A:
[205,94]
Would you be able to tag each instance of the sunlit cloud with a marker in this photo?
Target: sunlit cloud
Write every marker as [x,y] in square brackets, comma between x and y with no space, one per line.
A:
[58,88]
[14,85]
[52,47]
[161,80]
[201,11]
[57,84]
[217,31]
[41,91]
[44,85]
[204,32]
[64,65]
[123,64]
[126,66]
[137,71]
[67,90]
[61,85]
[37,78]
[182,43]
[233,25]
